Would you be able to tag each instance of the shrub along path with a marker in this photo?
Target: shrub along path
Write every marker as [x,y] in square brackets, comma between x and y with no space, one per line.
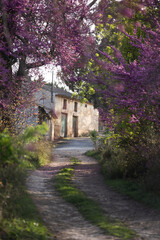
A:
[64,220]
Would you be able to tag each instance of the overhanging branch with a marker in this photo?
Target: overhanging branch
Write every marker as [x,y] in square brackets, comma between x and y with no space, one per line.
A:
[35,64]
[92,3]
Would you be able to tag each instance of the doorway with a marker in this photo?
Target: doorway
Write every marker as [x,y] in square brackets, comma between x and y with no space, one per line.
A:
[75,126]
[64,125]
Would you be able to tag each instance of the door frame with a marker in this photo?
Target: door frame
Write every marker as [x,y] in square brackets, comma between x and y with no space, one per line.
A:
[75,127]
[65,131]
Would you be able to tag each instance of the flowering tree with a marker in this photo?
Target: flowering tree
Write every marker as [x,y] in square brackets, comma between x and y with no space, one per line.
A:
[124,69]
[133,85]
[35,33]
[131,94]
[136,85]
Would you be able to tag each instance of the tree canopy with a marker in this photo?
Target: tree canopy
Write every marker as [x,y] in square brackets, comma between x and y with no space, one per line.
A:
[120,58]
[35,33]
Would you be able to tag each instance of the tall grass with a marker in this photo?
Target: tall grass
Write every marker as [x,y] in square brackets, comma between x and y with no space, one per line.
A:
[19,218]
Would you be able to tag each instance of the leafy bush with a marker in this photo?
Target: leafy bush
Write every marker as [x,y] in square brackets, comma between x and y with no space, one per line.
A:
[133,154]
[16,154]
[8,154]
[33,134]
[151,179]
[40,152]
[112,162]
[15,157]
[94,138]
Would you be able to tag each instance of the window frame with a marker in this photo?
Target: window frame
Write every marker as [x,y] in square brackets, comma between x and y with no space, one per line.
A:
[64,103]
[75,106]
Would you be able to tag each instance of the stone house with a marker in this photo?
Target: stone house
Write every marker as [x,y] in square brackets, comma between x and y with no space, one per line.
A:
[66,116]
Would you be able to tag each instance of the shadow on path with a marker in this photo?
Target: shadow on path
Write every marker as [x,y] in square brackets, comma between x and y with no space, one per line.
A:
[64,220]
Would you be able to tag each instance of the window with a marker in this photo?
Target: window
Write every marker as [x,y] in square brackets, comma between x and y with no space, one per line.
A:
[64,103]
[75,106]
[85,105]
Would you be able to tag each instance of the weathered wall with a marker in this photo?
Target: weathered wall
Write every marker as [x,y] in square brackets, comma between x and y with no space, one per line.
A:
[43,99]
[88,118]
[26,118]
[86,114]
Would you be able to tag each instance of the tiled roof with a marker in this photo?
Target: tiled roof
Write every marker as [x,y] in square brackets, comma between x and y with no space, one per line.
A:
[58,91]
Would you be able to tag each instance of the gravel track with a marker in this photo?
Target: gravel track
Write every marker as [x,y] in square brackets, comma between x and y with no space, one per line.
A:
[64,220]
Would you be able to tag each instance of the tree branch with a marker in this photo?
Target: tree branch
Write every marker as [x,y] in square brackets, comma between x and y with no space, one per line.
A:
[35,64]
[22,67]
[5,25]
[92,3]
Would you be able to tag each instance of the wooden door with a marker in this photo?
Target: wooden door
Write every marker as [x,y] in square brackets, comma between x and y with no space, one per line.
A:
[64,125]
[75,126]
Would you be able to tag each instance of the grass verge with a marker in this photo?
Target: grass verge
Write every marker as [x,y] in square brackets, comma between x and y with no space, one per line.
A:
[93,153]
[130,187]
[19,218]
[89,209]
[22,221]
[135,190]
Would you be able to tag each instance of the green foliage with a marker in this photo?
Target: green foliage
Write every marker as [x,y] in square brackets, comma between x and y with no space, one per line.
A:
[129,52]
[75,161]
[127,150]
[145,190]
[15,149]
[94,135]
[120,162]
[89,209]
[8,154]
[20,219]
[151,179]
[83,91]
[136,190]
[133,153]
[17,153]
[32,134]
[94,153]
[132,149]
[112,162]
[20,229]
[39,153]
[94,138]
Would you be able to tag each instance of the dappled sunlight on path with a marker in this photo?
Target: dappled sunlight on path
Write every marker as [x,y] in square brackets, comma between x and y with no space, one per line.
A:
[65,221]
[144,220]
[62,218]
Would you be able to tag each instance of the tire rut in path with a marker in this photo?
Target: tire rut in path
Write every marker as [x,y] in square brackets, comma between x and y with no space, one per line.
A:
[62,219]
[145,221]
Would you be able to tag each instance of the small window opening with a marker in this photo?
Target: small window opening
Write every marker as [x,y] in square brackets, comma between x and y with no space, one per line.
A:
[85,105]
[75,106]
[64,103]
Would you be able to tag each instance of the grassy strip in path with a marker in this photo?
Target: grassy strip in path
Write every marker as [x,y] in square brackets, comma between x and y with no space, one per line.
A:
[89,209]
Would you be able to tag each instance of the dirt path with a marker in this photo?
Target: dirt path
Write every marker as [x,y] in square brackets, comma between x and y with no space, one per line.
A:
[64,220]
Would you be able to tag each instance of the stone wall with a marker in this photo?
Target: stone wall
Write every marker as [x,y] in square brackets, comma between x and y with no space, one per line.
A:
[87,117]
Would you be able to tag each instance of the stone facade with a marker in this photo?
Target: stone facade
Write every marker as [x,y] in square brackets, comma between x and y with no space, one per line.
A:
[65,116]
[81,118]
